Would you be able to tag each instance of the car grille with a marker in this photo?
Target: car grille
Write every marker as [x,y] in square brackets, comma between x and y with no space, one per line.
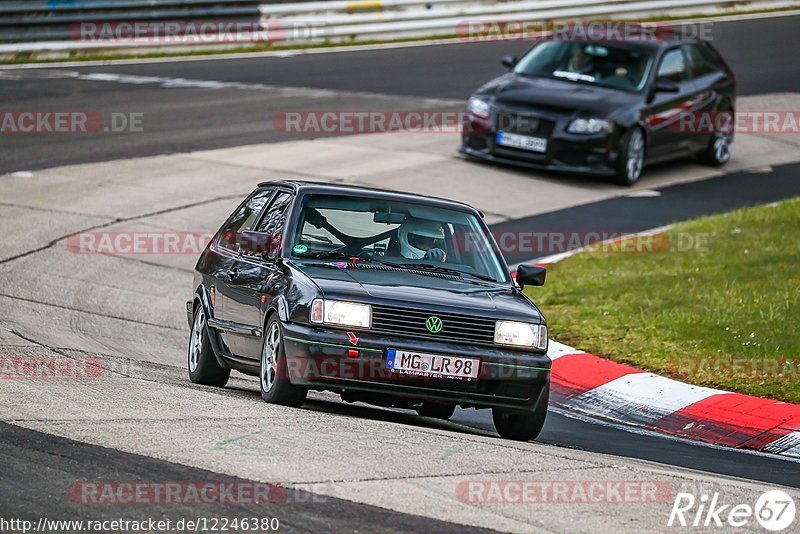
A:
[409,322]
[524,124]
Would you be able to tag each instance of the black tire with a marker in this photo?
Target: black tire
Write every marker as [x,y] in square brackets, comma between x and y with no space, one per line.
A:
[436,410]
[522,426]
[273,376]
[718,151]
[203,365]
[632,146]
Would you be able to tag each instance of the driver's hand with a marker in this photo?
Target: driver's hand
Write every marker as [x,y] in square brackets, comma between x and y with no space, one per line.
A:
[435,254]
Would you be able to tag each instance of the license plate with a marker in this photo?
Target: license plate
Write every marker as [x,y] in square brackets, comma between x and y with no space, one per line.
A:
[420,364]
[525,142]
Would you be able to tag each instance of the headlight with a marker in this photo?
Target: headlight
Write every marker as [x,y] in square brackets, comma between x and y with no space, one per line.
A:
[478,107]
[590,126]
[340,313]
[520,334]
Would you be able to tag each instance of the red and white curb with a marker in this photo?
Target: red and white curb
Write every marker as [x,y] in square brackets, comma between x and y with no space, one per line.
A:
[584,383]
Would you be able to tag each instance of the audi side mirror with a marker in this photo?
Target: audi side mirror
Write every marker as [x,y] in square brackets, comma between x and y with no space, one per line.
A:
[509,61]
[666,86]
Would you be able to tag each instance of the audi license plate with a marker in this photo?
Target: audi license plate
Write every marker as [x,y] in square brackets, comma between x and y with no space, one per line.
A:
[525,142]
[420,364]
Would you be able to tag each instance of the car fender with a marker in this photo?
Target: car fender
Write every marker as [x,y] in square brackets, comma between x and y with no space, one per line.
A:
[202,298]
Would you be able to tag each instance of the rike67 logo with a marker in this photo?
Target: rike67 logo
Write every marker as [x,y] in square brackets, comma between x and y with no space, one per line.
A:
[774,511]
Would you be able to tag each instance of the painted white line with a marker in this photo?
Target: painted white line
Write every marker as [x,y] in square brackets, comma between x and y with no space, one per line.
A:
[337,49]
[788,445]
[557,350]
[278,90]
[640,398]
[555,258]
[644,193]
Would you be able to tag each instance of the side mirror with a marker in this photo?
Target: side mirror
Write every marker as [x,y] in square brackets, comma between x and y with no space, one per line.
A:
[531,275]
[509,61]
[665,86]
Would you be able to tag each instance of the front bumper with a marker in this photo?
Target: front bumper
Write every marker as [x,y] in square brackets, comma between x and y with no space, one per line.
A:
[593,154]
[318,358]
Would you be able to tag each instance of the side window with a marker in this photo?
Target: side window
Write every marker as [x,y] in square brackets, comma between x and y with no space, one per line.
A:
[702,60]
[673,67]
[275,216]
[244,217]
[274,220]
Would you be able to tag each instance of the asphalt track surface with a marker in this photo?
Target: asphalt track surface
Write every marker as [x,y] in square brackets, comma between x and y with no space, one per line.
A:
[761,51]
[53,465]
[626,214]
[194,118]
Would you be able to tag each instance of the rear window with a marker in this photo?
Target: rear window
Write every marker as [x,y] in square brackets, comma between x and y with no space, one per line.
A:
[703,60]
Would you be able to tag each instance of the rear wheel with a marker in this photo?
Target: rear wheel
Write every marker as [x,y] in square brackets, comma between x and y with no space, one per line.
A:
[523,426]
[630,160]
[203,365]
[276,388]
[436,410]
[720,146]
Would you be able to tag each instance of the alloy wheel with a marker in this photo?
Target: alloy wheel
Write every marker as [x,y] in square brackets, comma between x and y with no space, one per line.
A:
[269,357]
[635,155]
[196,341]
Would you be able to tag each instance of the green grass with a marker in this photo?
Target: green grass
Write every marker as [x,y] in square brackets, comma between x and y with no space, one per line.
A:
[723,313]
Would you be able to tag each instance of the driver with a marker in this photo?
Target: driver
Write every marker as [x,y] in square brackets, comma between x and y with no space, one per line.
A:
[420,239]
[580,62]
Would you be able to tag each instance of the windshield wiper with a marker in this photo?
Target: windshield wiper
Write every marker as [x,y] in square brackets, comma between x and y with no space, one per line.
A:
[325,254]
[446,270]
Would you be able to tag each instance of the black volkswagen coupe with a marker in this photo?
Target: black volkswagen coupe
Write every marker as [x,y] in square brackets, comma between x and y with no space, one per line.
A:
[605,106]
[387,298]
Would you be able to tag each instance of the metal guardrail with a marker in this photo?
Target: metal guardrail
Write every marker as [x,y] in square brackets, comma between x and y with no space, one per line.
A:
[50,26]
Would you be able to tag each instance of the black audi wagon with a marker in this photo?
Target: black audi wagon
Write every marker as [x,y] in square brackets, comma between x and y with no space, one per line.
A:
[606,104]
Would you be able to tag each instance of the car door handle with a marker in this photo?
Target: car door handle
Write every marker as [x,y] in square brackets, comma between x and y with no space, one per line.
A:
[232,273]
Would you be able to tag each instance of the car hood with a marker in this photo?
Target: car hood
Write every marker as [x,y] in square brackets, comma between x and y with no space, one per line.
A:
[405,289]
[512,91]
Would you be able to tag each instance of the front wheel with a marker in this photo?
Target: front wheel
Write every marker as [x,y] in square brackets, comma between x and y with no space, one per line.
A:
[203,365]
[630,160]
[276,388]
[522,426]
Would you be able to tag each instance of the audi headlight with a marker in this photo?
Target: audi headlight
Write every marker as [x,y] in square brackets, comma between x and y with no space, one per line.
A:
[590,126]
[342,313]
[478,107]
[520,334]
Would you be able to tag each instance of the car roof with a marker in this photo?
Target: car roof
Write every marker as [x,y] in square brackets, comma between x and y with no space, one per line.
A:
[299,186]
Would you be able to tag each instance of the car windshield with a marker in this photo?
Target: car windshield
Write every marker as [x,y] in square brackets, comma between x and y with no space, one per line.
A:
[397,234]
[616,65]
